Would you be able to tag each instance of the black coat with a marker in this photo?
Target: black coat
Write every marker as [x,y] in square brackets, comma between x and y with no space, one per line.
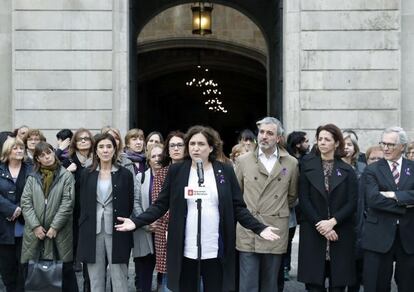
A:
[316,205]
[10,194]
[231,209]
[123,197]
[383,213]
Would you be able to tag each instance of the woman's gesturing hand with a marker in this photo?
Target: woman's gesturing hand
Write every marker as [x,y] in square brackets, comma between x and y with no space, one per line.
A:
[126,225]
[269,234]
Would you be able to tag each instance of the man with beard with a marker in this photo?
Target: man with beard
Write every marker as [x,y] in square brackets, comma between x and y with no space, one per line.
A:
[268,178]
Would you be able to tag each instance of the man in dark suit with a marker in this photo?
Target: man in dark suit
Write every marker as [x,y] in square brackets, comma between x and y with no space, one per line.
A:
[389,226]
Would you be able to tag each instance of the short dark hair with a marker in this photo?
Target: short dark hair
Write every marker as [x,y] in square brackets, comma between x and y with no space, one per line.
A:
[337,136]
[64,134]
[246,134]
[294,138]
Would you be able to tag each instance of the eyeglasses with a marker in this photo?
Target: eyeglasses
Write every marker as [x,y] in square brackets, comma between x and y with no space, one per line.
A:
[390,146]
[178,145]
[83,139]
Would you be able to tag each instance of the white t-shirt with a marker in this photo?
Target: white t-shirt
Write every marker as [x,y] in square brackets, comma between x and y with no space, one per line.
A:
[210,219]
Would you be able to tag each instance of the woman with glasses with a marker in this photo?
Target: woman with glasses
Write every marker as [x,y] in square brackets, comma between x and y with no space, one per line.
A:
[143,251]
[172,153]
[13,175]
[80,157]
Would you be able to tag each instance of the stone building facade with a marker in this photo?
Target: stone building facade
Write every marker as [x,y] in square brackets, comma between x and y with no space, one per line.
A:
[65,62]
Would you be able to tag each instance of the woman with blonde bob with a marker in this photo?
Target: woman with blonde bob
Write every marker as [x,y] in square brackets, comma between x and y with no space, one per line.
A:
[13,175]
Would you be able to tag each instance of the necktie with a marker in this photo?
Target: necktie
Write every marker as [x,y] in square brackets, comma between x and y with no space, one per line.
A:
[395,172]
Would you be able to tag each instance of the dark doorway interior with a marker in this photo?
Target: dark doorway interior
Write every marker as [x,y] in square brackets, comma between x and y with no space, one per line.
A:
[166,103]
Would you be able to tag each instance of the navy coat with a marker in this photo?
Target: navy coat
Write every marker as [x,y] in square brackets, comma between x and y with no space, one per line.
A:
[316,205]
[10,194]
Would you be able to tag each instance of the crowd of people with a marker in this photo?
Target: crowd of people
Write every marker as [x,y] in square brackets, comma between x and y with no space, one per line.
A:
[93,201]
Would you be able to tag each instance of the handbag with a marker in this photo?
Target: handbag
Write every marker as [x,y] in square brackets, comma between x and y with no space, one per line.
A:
[44,275]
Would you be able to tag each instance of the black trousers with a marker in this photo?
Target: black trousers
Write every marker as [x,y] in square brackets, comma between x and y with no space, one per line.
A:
[378,268]
[144,268]
[320,288]
[211,275]
[11,270]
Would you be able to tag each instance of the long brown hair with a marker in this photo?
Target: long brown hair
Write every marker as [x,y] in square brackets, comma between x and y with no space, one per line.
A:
[337,136]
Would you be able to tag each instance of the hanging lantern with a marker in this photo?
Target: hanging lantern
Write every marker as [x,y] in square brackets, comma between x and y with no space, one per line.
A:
[202,18]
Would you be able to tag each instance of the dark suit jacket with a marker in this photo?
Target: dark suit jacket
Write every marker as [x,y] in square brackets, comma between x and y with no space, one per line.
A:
[231,209]
[122,200]
[384,213]
[317,204]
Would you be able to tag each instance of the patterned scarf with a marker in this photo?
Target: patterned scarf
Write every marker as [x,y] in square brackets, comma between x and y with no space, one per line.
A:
[47,177]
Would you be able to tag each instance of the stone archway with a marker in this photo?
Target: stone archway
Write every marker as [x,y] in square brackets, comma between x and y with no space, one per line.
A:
[267,15]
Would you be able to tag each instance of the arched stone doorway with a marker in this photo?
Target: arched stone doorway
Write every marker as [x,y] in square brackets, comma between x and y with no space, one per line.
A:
[250,82]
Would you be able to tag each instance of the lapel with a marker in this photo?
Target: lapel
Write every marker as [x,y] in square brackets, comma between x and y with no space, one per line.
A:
[145,188]
[181,181]
[406,172]
[339,173]
[221,181]
[384,168]
[314,172]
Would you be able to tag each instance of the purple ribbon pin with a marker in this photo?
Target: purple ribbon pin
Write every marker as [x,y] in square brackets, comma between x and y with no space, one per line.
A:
[284,171]
[220,177]
[338,173]
[407,171]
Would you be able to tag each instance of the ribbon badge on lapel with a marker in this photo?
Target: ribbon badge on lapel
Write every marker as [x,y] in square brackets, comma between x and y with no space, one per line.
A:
[284,171]
[220,177]
[407,171]
[338,172]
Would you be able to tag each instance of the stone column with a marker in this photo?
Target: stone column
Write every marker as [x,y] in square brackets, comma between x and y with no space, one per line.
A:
[6,112]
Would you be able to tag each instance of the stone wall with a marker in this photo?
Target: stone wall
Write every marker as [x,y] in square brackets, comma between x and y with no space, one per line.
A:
[407,66]
[6,65]
[228,25]
[62,64]
[347,67]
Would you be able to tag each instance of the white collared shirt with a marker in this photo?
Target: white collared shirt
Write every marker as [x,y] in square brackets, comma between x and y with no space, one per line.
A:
[268,162]
[399,161]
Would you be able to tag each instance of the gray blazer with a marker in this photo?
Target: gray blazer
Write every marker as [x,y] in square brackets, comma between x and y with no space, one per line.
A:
[104,211]
[143,244]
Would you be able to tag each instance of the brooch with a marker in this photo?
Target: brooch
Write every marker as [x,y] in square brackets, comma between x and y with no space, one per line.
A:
[220,177]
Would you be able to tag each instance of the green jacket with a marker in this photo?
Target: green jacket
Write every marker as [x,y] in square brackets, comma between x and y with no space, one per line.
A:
[59,211]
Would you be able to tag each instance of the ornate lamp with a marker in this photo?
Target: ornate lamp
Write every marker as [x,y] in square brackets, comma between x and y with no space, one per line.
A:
[202,18]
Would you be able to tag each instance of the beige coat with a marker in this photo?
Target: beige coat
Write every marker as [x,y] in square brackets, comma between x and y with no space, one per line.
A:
[268,198]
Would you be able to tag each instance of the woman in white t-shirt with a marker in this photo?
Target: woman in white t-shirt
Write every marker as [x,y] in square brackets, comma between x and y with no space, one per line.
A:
[222,206]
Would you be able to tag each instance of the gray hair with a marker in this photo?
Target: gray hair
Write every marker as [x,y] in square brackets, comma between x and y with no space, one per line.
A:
[402,135]
[274,121]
